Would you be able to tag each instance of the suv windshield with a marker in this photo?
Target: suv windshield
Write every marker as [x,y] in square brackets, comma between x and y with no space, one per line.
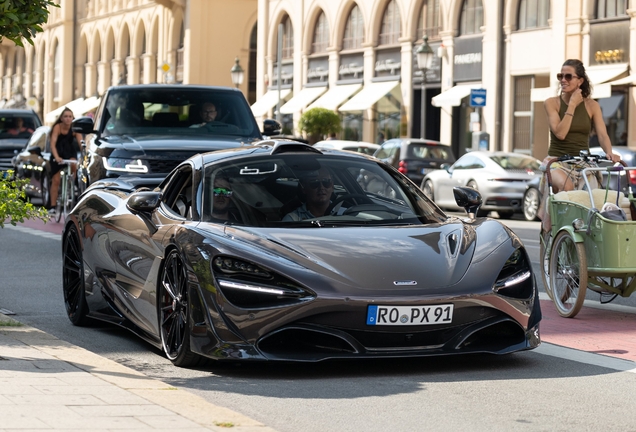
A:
[183,111]
[282,191]
[16,126]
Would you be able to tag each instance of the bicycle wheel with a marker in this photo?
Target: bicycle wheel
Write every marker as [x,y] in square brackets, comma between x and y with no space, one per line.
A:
[69,200]
[545,244]
[568,274]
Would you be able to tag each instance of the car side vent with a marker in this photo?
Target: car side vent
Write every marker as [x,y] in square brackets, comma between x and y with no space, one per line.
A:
[293,147]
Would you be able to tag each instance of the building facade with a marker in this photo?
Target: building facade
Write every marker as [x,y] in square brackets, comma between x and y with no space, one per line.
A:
[358,57]
[89,45]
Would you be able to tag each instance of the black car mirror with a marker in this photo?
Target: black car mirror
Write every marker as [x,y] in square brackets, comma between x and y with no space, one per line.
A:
[144,201]
[468,198]
[34,150]
[83,125]
[271,127]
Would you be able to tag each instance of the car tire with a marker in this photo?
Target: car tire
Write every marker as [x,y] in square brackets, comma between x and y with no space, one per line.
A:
[73,284]
[531,201]
[505,214]
[174,312]
[45,191]
[427,188]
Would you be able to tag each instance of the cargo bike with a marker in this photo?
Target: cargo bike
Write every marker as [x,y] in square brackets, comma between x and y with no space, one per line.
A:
[589,246]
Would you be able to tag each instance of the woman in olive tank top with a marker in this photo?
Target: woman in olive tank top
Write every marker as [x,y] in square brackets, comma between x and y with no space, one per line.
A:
[571,116]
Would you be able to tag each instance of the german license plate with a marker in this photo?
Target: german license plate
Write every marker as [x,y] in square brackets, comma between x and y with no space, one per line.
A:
[426,170]
[409,315]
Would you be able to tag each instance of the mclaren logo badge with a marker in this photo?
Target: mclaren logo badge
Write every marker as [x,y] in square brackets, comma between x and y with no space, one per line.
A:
[404,282]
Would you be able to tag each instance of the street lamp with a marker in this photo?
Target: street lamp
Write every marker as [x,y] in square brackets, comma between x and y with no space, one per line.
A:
[424,60]
[237,73]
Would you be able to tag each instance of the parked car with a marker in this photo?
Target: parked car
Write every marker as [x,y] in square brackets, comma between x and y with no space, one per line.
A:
[355,146]
[415,157]
[33,163]
[500,177]
[206,266]
[147,130]
[532,199]
[16,127]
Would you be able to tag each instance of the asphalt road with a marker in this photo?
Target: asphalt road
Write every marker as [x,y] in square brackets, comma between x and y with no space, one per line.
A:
[551,388]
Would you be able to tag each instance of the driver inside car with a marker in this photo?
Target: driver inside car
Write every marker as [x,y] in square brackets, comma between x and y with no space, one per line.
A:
[315,191]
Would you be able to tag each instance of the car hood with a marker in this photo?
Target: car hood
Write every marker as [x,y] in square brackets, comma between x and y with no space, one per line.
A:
[13,142]
[379,258]
[150,143]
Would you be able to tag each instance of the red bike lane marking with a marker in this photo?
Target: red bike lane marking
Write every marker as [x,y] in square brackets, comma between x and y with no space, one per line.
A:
[51,226]
[599,331]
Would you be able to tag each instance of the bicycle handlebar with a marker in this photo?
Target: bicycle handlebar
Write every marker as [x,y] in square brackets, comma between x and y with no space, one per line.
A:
[582,158]
[70,161]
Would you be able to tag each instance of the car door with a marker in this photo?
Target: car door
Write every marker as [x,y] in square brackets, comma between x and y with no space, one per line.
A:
[138,248]
[459,175]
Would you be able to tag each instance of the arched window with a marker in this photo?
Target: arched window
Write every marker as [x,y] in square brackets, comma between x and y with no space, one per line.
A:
[288,38]
[611,8]
[533,14]
[391,26]
[34,72]
[141,56]
[321,35]
[354,30]
[57,69]
[428,22]
[471,18]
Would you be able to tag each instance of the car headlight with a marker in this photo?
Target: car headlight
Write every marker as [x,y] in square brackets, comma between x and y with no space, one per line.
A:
[515,278]
[249,286]
[125,165]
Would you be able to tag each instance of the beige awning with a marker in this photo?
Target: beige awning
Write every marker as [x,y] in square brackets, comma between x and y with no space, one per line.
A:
[336,96]
[302,99]
[268,101]
[453,96]
[604,73]
[368,96]
[52,116]
[628,80]
[87,105]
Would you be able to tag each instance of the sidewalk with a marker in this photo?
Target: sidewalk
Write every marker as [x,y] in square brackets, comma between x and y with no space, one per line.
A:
[50,384]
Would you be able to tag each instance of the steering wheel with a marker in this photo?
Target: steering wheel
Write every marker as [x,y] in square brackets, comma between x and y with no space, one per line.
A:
[357,199]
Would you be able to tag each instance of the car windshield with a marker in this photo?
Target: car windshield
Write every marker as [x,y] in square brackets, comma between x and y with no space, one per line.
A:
[426,151]
[283,190]
[183,111]
[16,126]
[513,162]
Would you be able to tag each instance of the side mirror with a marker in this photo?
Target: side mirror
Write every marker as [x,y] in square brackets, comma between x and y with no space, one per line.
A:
[271,127]
[144,202]
[446,167]
[34,150]
[83,125]
[468,198]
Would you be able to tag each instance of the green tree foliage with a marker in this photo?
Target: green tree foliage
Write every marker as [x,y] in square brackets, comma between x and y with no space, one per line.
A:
[22,19]
[319,122]
[13,203]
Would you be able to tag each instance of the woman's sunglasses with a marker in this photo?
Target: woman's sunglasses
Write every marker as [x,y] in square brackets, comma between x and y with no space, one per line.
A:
[567,76]
[222,192]
[315,184]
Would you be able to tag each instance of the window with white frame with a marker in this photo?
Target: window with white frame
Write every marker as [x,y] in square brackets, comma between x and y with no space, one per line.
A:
[533,14]
[321,35]
[611,9]
[57,70]
[429,20]
[354,30]
[471,18]
[522,114]
[391,26]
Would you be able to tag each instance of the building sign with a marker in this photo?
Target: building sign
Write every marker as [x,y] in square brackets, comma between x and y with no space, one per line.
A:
[351,67]
[388,63]
[286,75]
[434,73]
[609,42]
[467,63]
[318,70]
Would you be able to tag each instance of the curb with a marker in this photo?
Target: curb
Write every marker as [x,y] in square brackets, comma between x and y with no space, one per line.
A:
[180,402]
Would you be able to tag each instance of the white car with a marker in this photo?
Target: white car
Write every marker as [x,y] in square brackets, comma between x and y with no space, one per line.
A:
[355,146]
[500,177]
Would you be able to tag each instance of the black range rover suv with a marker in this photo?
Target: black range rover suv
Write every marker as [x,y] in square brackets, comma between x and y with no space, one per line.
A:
[147,130]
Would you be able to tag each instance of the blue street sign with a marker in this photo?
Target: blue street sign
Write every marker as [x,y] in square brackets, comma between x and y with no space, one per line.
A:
[477,97]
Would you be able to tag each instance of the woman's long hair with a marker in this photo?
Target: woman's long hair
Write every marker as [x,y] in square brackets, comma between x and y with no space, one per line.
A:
[59,118]
[586,87]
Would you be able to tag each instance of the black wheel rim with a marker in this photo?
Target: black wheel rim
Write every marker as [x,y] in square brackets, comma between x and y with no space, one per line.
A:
[72,273]
[173,306]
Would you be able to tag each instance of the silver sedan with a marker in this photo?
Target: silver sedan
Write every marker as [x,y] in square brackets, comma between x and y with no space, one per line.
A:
[500,177]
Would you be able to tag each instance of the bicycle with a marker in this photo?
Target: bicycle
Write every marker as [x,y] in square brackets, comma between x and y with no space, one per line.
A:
[66,196]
